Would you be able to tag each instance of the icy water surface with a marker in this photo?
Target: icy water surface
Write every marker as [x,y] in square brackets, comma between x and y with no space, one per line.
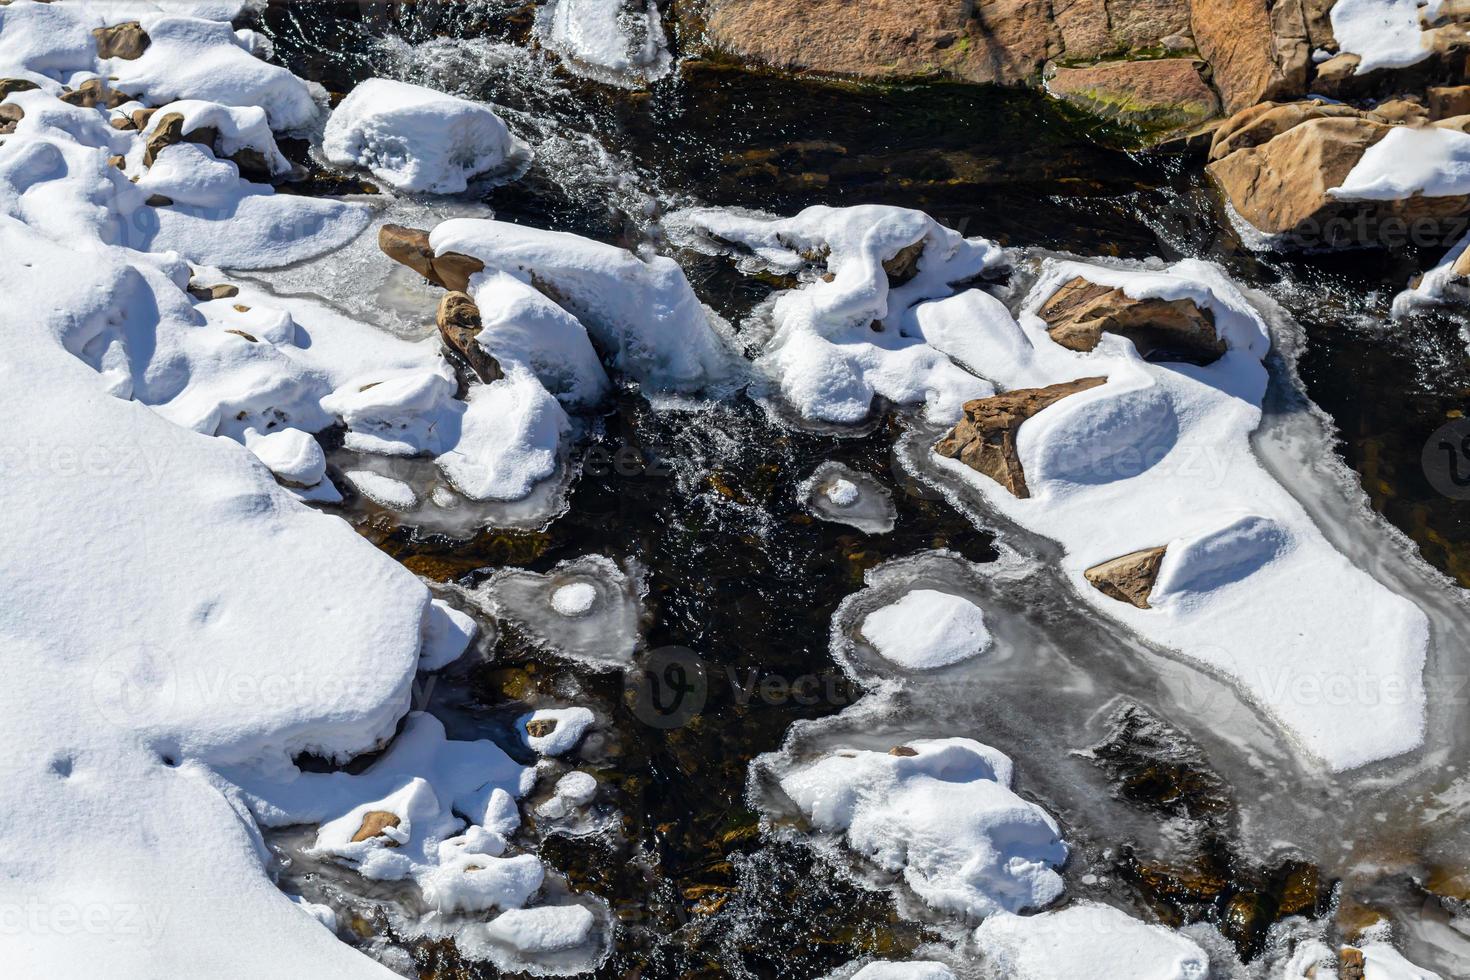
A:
[1175,797]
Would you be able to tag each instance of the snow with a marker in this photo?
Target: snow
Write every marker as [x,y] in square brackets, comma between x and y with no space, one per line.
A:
[1088,942]
[1243,558]
[243,128]
[576,599]
[943,818]
[447,635]
[1382,962]
[572,790]
[570,725]
[617,41]
[914,970]
[1383,33]
[841,341]
[640,310]
[416,139]
[292,455]
[843,493]
[1431,161]
[927,629]
[383,490]
[547,929]
[521,326]
[205,628]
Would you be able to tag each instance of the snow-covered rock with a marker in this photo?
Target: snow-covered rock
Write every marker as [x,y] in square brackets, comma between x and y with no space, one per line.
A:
[926,629]
[616,41]
[940,814]
[1087,942]
[419,140]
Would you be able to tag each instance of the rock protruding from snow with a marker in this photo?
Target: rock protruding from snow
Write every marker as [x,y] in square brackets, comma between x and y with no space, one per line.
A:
[410,247]
[621,42]
[985,439]
[1129,578]
[1087,942]
[926,630]
[1176,330]
[554,731]
[417,139]
[459,325]
[940,813]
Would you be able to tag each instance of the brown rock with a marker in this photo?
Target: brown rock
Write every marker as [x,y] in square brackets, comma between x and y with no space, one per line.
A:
[459,327]
[120,163]
[1335,71]
[10,115]
[158,201]
[1166,93]
[410,246]
[903,266]
[126,41]
[93,93]
[1400,112]
[10,85]
[1176,330]
[985,439]
[1277,173]
[207,293]
[1003,41]
[1350,963]
[1130,578]
[903,751]
[122,124]
[169,131]
[240,333]
[141,118]
[1446,101]
[540,727]
[374,822]
[1254,54]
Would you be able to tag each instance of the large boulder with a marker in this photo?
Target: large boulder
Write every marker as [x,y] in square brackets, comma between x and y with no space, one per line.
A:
[1080,312]
[1256,50]
[1002,41]
[985,439]
[1277,165]
[124,41]
[1166,93]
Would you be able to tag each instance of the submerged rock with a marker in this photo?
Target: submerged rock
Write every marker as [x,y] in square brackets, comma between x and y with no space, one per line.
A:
[1129,578]
[985,439]
[1177,330]
[842,495]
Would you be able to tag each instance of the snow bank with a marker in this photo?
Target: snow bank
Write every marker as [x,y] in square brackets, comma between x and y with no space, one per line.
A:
[927,629]
[640,311]
[843,338]
[1383,33]
[416,139]
[1087,942]
[1160,456]
[617,41]
[940,813]
[1431,161]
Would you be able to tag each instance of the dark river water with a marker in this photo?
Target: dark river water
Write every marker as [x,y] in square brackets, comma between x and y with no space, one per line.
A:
[705,503]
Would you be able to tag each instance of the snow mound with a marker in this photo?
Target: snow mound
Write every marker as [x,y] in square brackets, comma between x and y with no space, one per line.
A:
[927,629]
[418,140]
[1383,33]
[940,813]
[568,725]
[617,41]
[640,311]
[1431,161]
[844,337]
[1088,942]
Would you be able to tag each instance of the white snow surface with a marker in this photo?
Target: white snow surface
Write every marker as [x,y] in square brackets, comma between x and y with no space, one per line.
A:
[912,970]
[1087,942]
[1160,455]
[177,626]
[943,818]
[927,629]
[1383,33]
[1382,962]
[1431,161]
[840,343]
[640,310]
[416,139]
[571,725]
[617,41]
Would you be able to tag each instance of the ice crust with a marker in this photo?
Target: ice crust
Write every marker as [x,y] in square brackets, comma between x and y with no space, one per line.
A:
[1087,942]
